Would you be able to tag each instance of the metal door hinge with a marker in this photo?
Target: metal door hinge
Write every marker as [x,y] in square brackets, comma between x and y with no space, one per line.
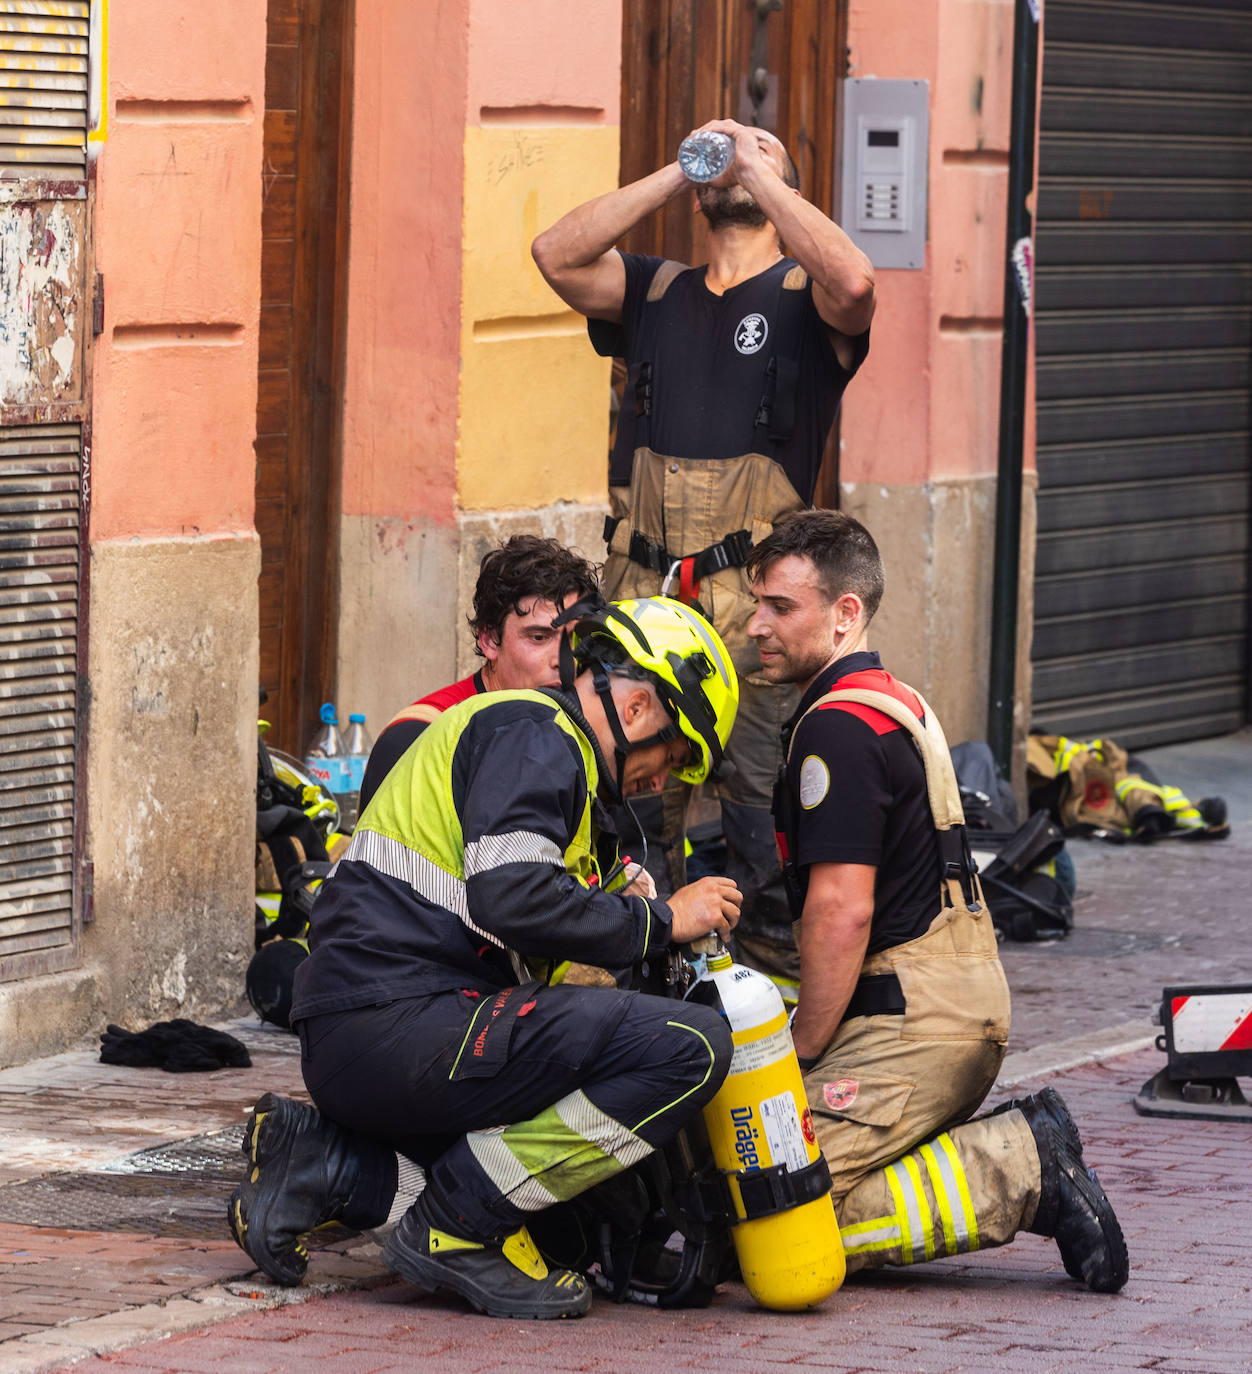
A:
[97,307]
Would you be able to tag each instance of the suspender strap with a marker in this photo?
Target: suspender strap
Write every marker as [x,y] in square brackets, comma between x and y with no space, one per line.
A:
[640,374]
[941,784]
[776,414]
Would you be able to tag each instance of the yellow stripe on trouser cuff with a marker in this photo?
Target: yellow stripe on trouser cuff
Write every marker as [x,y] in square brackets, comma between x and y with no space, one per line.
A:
[912,1237]
[947,1182]
[568,1148]
[879,1233]
[923,1206]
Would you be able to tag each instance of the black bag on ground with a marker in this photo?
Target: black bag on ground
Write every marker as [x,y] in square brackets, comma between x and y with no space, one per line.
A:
[1029,883]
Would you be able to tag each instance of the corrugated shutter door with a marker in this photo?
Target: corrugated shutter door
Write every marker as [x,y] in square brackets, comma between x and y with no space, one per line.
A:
[1143,318]
[44,88]
[39,582]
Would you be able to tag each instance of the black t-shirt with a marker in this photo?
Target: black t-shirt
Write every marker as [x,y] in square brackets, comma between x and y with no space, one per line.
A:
[709,369]
[858,794]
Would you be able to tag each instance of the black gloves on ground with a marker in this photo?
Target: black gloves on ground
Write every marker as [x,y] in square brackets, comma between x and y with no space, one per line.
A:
[176,1046]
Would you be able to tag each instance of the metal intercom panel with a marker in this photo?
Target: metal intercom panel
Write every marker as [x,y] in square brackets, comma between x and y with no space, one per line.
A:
[886,131]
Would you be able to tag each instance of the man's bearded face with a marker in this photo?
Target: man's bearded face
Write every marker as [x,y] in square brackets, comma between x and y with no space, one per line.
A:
[726,205]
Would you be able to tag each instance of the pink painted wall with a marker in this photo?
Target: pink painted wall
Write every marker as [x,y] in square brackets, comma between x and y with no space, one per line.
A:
[540,57]
[404,277]
[926,404]
[177,233]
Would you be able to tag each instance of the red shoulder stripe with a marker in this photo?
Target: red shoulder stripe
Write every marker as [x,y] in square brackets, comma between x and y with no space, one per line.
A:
[874,680]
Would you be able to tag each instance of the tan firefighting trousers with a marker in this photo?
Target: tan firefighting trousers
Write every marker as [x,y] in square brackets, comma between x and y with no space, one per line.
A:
[914,1179]
[686,505]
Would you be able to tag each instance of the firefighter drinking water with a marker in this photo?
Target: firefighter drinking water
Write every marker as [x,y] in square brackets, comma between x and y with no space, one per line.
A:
[432,1016]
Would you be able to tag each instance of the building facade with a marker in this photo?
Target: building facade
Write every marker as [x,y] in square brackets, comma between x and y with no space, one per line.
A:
[314,374]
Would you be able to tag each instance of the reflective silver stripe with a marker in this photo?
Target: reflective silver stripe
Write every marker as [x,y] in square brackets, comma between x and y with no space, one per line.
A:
[908,1194]
[427,879]
[950,1204]
[586,1120]
[518,847]
[508,1173]
[883,1237]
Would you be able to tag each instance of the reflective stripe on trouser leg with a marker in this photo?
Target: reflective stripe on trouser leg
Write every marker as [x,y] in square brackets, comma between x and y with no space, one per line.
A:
[968,1189]
[495,1178]
[556,1155]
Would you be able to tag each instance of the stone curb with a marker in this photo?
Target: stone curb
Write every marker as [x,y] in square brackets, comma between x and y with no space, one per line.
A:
[1111,1043]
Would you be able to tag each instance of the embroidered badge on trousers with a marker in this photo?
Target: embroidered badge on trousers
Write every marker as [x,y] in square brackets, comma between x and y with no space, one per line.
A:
[840,1094]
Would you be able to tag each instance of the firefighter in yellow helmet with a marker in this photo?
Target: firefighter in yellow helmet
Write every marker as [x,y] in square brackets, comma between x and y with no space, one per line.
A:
[431,1011]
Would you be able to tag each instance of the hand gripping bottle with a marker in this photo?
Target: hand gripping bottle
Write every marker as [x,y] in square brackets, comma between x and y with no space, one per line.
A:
[705,156]
[327,763]
[761,1131]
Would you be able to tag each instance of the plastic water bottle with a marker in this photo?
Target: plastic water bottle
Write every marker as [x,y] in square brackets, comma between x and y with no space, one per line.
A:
[705,156]
[327,763]
[358,744]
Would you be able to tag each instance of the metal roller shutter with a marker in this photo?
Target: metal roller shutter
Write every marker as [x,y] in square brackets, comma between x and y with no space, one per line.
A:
[39,593]
[1143,322]
[44,81]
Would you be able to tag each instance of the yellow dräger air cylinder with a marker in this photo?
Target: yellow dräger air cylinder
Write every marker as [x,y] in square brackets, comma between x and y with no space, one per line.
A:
[761,1130]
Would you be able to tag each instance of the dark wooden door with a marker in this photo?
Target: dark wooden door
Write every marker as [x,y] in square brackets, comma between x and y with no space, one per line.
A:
[772,64]
[306,75]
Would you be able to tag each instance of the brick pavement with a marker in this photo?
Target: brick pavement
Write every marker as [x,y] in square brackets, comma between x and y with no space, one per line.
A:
[1182,1190]
[1175,913]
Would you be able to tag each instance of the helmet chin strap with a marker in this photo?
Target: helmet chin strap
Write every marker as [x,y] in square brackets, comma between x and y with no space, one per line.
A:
[622,745]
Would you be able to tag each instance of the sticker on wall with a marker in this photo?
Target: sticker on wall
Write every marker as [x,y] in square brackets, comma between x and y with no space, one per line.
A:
[1024,271]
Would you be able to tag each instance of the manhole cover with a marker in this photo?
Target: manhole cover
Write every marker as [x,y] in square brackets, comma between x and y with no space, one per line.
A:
[179,1189]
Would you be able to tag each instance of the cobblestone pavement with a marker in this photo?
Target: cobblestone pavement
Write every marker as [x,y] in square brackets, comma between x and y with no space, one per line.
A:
[135,1270]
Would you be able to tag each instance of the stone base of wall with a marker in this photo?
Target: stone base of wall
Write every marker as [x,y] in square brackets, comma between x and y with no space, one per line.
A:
[407,588]
[934,626]
[170,796]
[580,527]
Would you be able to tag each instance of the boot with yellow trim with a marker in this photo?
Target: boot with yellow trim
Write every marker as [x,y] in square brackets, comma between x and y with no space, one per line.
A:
[302,1172]
[503,1277]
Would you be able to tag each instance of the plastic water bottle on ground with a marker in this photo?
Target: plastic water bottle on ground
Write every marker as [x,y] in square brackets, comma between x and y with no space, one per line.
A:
[359,744]
[327,763]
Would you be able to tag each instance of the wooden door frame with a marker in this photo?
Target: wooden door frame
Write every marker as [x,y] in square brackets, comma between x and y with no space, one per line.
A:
[308,654]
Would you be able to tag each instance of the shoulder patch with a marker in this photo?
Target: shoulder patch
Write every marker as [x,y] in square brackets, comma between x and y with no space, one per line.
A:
[814,782]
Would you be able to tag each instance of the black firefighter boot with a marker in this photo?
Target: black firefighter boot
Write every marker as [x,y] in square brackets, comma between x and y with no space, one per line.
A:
[1073,1208]
[503,1277]
[304,1171]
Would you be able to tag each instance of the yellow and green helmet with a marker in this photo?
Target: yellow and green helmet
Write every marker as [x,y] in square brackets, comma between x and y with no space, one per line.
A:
[683,656]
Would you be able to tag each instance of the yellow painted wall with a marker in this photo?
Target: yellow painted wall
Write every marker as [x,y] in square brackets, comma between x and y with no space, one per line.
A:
[534,397]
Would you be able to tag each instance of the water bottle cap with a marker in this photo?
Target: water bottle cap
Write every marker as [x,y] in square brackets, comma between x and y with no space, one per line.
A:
[356,718]
[328,714]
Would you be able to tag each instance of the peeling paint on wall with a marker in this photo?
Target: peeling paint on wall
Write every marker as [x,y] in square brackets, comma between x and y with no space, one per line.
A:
[41,301]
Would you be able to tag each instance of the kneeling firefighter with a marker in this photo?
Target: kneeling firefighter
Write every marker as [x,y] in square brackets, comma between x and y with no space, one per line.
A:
[431,1011]
[481,862]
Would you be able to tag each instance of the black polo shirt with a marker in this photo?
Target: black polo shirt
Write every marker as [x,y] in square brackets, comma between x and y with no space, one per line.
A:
[857,791]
